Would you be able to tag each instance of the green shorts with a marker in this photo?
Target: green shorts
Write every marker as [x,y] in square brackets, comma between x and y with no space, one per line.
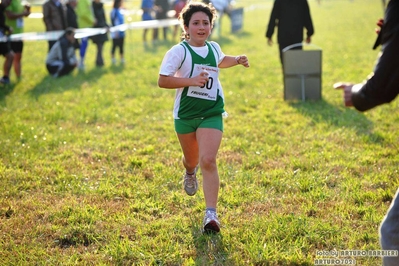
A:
[185,126]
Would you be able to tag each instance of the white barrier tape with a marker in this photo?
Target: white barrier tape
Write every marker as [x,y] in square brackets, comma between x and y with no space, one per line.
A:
[87,32]
[127,13]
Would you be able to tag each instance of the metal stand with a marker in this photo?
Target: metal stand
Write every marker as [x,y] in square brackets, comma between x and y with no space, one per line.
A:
[302,73]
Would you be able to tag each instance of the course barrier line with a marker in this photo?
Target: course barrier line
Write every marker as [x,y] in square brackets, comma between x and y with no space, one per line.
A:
[87,32]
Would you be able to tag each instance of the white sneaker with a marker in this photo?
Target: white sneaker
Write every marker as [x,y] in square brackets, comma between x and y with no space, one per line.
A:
[211,223]
[81,66]
[113,61]
[190,183]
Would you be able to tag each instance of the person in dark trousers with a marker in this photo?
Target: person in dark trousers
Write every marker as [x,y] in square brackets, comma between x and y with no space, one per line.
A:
[100,39]
[72,18]
[118,36]
[61,60]
[5,48]
[380,88]
[147,6]
[15,14]
[54,17]
[161,10]
[291,17]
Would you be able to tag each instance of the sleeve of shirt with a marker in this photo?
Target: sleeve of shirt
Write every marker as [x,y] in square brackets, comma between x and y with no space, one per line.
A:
[308,21]
[46,16]
[273,17]
[13,7]
[172,61]
[219,51]
[383,86]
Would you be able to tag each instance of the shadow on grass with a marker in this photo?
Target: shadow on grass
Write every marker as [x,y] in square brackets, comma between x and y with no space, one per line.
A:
[210,248]
[70,82]
[116,68]
[4,91]
[323,112]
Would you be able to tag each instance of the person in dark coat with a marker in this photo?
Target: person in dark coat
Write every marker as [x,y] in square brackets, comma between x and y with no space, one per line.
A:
[383,86]
[380,88]
[54,17]
[72,18]
[291,17]
[100,39]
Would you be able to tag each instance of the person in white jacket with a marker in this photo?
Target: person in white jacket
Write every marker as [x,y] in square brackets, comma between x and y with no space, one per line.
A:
[61,59]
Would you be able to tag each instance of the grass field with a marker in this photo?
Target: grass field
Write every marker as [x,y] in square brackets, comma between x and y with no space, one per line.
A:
[90,166]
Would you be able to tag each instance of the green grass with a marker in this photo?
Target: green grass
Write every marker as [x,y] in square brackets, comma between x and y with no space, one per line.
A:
[90,165]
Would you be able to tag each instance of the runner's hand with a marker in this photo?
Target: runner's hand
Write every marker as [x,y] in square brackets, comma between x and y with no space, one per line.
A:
[201,79]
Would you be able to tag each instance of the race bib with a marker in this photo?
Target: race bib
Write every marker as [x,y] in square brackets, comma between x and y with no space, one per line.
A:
[210,90]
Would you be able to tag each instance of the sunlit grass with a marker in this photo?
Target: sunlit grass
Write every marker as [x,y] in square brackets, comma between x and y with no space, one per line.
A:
[91,169]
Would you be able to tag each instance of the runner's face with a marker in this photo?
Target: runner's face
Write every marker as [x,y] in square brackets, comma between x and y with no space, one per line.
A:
[199,29]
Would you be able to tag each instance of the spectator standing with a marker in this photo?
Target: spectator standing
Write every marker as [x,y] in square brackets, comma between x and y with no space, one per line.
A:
[118,36]
[147,7]
[178,7]
[54,17]
[291,17]
[61,60]
[86,19]
[161,12]
[72,18]
[15,14]
[5,48]
[100,39]
[380,88]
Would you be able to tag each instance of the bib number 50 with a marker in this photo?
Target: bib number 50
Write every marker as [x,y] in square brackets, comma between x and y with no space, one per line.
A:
[208,85]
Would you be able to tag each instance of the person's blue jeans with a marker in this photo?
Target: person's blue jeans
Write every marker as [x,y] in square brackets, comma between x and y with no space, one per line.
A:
[389,232]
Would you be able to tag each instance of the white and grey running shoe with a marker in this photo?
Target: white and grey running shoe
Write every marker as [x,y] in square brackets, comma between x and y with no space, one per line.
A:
[190,183]
[211,223]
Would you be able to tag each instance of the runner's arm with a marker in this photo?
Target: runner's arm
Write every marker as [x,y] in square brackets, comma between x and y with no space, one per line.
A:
[170,82]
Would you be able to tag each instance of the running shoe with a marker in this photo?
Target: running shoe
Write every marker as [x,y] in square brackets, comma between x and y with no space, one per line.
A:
[81,66]
[211,223]
[5,80]
[190,183]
